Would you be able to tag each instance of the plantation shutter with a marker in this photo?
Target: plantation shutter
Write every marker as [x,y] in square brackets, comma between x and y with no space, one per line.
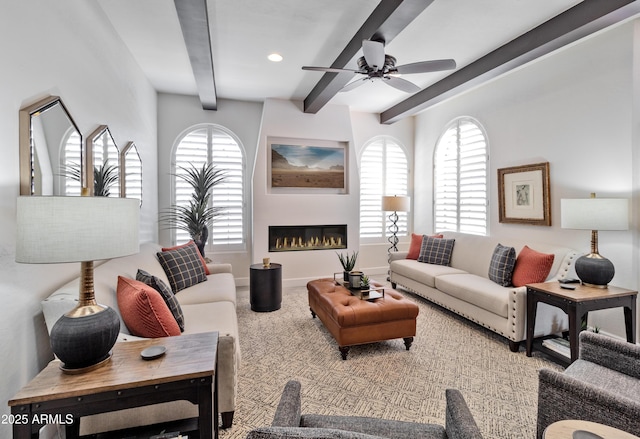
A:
[133,174]
[383,171]
[202,146]
[70,158]
[460,179]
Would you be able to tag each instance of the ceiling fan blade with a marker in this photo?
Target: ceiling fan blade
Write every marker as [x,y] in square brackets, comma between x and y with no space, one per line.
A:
[373,54]
[401,84]
[355,84]
[330,69]
[427,66]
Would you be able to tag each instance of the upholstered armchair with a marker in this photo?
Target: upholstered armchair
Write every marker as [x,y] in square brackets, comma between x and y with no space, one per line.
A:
[289,423]
[602,385]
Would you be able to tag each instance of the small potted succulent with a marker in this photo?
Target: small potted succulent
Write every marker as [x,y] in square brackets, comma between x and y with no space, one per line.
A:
[364,282]
[348,262]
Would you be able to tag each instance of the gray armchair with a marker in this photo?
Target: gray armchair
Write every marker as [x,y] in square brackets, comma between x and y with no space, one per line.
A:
[289,423]
[602,385]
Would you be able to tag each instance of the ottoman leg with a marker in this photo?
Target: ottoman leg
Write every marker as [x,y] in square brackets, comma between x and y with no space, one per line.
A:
[344,351]
[408,341]
[313,314]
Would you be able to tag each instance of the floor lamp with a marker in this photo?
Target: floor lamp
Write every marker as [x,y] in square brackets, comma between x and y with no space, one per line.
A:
[79,229]
[394,204]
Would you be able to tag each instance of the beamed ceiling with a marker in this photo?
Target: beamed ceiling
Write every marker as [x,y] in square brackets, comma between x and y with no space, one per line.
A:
[218,48]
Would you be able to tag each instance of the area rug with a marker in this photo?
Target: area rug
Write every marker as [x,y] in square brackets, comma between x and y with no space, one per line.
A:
[383,379]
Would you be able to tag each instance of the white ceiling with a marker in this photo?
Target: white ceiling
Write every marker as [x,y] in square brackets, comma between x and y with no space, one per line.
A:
[313,32]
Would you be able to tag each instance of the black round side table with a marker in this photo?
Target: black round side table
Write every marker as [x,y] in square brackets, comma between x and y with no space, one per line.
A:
[265,287]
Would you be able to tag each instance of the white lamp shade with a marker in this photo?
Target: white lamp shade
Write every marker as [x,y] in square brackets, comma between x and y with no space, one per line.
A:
[76,229]
[595,213]
[396,203]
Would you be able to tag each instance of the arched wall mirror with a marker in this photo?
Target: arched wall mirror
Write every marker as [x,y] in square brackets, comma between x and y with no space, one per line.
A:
[131,172]
[103,164]
[50,150]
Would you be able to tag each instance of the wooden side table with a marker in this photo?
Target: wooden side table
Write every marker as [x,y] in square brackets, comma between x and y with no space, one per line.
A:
[565,430]
[577,304]
[265,287]
[187,371]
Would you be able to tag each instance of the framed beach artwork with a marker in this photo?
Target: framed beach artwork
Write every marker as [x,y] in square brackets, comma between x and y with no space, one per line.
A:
[524,194]
[299,165]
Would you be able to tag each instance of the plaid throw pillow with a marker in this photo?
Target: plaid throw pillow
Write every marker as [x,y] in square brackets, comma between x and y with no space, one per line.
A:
[502,262]
[166,293]
[183,267]
[436,251]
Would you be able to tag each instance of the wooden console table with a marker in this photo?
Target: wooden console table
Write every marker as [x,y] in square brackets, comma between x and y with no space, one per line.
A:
[577,304]
[187,371]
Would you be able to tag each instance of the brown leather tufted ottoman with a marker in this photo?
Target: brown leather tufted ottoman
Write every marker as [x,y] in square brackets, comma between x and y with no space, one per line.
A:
[352,321]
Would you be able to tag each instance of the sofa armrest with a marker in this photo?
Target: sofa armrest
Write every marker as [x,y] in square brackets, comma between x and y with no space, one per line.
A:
[289,407]
[611,353]
[459,421]
[563,397]
[395,256]
[218,268]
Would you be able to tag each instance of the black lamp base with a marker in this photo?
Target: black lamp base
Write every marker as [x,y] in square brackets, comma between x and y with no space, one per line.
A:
[83,343]
[594,270]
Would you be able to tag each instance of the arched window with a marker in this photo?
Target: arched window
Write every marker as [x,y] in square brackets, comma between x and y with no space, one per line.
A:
[383,171]
[214,144]
[460,179]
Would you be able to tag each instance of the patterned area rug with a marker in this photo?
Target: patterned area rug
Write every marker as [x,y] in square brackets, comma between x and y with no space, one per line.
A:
[383,379]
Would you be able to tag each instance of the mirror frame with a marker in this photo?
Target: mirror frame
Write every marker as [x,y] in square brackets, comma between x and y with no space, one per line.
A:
[25,116]
[129,148]
[89,166]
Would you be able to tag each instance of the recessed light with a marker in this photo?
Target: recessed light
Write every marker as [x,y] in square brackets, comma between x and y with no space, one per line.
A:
[275,57]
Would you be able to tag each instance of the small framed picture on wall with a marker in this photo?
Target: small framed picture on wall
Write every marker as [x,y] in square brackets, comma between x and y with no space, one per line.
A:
[524,194]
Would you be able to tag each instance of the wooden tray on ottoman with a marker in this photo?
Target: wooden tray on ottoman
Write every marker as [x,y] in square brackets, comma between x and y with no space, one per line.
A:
[353,321]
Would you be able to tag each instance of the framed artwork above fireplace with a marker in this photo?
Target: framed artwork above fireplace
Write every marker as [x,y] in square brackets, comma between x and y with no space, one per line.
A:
[303,165]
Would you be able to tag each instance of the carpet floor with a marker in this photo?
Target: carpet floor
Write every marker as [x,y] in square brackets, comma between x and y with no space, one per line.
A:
[383,379]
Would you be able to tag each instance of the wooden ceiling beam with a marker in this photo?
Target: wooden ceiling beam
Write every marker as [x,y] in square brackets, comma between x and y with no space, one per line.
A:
[388,19]
[194,21]
[575,23]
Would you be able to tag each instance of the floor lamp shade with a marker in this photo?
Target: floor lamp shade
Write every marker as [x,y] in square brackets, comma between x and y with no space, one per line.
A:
[79,229]
[395,203]
[595,214]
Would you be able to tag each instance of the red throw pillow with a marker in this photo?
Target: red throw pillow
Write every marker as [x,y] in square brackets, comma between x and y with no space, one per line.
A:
[192,242]
[144,311]
[416,244]
[531,267]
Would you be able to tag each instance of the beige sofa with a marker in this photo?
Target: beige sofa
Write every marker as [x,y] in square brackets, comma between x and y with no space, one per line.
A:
[465,288]
[207,306]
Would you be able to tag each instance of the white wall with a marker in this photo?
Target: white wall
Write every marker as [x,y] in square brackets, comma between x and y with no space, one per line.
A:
[177,114]
[573,109]
[65,48]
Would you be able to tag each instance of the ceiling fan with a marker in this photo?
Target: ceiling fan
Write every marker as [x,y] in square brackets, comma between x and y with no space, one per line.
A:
[375,64]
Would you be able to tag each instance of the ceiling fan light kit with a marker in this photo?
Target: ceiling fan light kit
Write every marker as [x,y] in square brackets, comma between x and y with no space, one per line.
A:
[375,64]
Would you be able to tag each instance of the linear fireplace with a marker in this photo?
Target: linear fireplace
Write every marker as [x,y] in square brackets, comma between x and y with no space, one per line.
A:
[297,238]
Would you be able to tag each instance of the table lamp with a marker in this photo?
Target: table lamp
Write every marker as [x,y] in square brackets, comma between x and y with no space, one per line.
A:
[595,214]
[79,229]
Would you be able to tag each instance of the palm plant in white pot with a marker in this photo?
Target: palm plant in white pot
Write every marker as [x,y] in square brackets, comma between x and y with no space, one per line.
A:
[198,215]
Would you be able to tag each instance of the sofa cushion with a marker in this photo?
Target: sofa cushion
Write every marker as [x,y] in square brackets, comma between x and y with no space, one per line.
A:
[423,273]
[190,243]
[183,267]
[503,260]
[416,244]
[531,267]
[436,250]
[165,292]
[220,287]
[144,311]
[477,290]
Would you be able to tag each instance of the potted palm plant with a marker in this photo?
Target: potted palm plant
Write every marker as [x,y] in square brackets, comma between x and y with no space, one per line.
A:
[104,177]
[198,215]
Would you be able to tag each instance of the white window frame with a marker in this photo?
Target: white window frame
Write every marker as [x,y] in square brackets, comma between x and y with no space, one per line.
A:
[219,248]
[404,223]
[455,124]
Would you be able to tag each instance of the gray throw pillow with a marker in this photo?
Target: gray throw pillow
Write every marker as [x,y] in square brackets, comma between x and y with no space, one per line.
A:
[501,267]
[183,267]
[436,251]
[166,293]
